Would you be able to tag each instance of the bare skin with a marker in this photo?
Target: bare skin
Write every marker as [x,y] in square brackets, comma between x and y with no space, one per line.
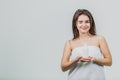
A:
[83,26]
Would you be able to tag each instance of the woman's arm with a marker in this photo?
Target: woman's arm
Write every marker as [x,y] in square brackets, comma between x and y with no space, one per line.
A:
[65,62]
[107,60]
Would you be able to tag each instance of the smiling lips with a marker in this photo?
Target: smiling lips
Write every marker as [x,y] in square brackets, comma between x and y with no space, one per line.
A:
[84,28]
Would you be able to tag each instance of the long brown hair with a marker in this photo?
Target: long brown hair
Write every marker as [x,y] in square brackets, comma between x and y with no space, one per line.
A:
[75,18]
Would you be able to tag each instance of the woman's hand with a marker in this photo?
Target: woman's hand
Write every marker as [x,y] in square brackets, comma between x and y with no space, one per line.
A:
[86,59]
[78,58]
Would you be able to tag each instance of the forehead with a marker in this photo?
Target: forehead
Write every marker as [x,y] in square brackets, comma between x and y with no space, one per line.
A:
[83,17]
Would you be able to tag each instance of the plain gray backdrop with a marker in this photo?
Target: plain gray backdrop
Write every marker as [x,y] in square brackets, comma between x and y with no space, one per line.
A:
[33,33]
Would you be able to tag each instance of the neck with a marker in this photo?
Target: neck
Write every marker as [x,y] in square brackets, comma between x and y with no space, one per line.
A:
[84,35]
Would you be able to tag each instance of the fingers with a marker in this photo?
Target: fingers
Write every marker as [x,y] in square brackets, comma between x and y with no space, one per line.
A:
[92,59]
[78,58]
[87,59]
[84,59]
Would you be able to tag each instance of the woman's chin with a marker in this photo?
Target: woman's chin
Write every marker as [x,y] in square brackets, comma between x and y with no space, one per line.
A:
[83,32]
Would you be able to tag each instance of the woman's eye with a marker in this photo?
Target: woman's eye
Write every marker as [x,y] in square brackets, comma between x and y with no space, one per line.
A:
[87,21]
[80,21]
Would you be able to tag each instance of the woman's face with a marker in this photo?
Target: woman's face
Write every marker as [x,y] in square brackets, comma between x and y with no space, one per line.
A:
[83,24]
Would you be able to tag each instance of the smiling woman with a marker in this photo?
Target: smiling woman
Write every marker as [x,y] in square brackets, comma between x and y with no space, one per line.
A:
[83,23]
[87,53]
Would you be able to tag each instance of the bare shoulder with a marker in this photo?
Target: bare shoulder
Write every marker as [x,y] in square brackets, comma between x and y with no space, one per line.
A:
[72,41]
[102,41]
[100,38]
[68,44]
[69,41]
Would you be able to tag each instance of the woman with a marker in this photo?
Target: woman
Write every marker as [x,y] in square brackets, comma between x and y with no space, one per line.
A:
[87,53]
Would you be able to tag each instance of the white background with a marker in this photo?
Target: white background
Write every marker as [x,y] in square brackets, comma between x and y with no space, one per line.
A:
[33,33]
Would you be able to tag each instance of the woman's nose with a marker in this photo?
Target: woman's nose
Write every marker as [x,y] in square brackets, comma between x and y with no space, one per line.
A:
[83,24]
